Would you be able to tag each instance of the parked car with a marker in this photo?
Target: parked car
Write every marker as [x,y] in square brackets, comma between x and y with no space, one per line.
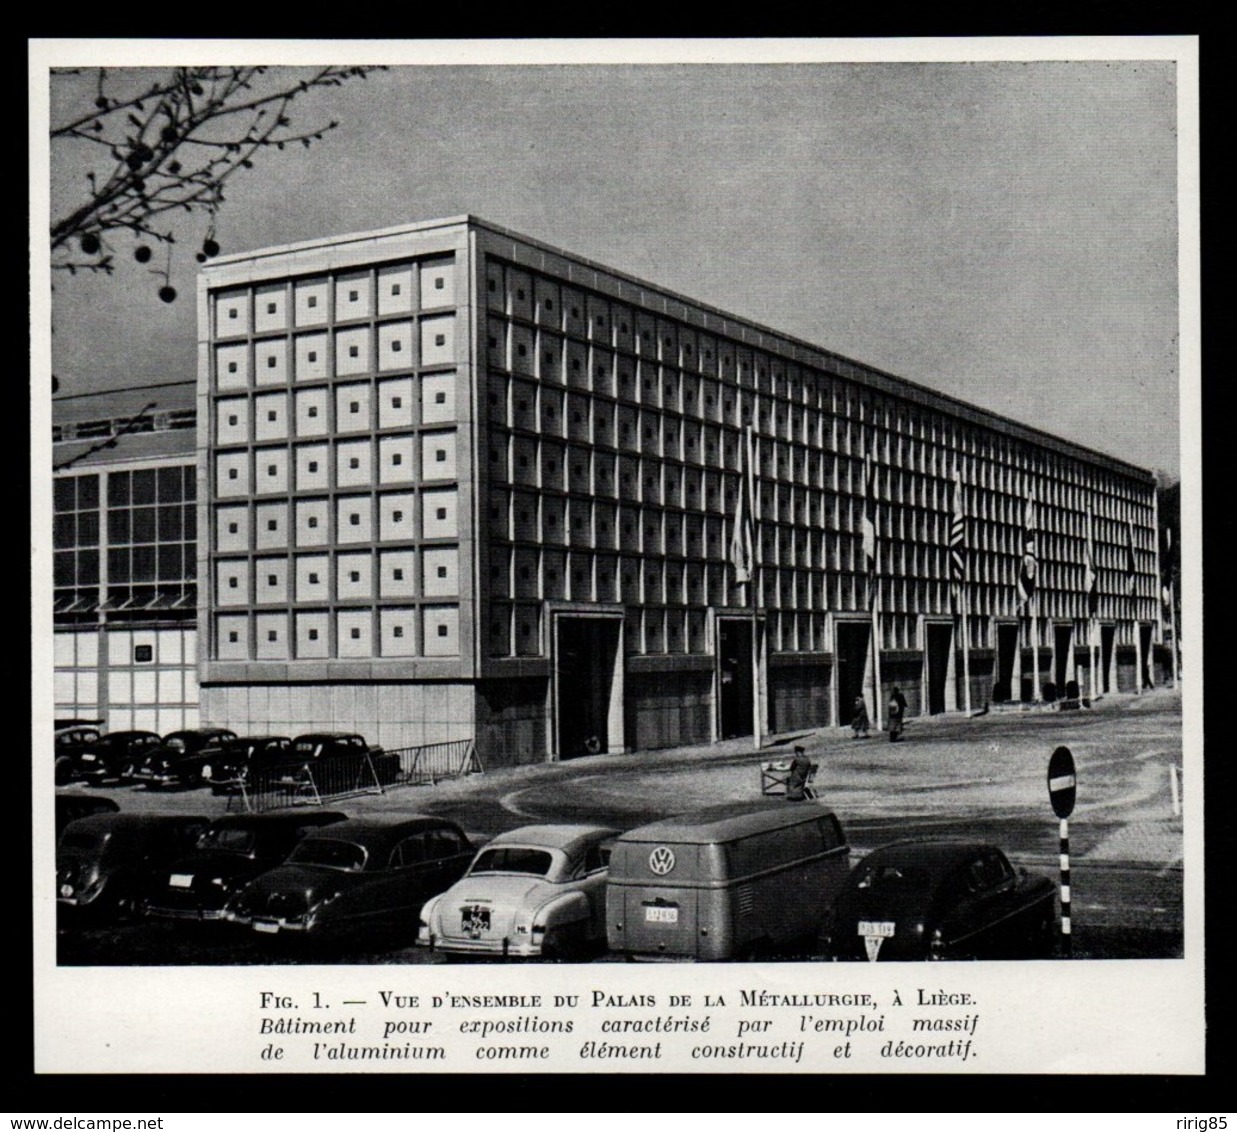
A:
[355,877]
[71,806]
[731,881]
[249,755]
[535,891]
[179,759]
[69,742]
[235,849]
[110,754]
[339,761]
[104,862]
[942,900]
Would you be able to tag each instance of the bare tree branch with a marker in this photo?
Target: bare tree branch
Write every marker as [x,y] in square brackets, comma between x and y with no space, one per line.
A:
[173,146]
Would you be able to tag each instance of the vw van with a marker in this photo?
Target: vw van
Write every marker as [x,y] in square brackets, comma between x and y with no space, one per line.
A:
[725,882]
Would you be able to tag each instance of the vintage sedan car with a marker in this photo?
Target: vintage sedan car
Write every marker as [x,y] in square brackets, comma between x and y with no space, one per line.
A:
[249,755]
[339,762]
[108,757]
[69,742]
[235,849]
[104,862]
[355,878]
[539,891]
[179,759]
[924,899]
[70,806]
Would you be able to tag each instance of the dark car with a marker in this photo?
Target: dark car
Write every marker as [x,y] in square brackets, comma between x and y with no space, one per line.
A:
[239,760]
[179,759]
[338,761]
[234,850]
[358,877]
[104,862]
[942,900]
[69,742]
[71,806]
[111,754]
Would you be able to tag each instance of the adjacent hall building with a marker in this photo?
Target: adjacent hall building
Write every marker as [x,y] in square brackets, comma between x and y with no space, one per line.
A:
[453,482]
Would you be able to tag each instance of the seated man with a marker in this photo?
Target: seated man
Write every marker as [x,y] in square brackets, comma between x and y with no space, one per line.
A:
[797,780]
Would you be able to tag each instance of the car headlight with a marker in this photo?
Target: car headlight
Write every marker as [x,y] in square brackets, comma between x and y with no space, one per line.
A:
[206,771]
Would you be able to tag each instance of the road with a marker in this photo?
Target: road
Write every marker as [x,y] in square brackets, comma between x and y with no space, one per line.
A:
[982,779]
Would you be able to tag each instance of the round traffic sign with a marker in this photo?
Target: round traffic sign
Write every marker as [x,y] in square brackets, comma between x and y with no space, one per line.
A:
[1062,782]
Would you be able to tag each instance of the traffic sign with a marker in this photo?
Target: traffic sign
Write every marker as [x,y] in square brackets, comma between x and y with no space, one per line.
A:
[1062,782]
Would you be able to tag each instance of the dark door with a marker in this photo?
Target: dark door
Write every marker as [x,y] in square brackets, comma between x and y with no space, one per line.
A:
[1107,640]
[852,665]
[1063,640]
[940,638]
[734,656]
[1144,632]
[587,653]
[1007,650]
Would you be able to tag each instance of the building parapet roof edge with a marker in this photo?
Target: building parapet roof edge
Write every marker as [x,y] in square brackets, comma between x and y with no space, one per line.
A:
[897,384]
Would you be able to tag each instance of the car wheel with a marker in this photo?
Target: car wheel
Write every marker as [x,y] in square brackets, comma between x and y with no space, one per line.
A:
[565,944]
[64,770]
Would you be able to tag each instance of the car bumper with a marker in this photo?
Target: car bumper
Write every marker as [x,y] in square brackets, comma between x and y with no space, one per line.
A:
[268,925]
[515,947]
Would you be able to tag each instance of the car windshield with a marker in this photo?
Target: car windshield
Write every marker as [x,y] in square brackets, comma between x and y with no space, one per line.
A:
[513,859]
[228,839]
[893,878]
[329,853]
[174,743]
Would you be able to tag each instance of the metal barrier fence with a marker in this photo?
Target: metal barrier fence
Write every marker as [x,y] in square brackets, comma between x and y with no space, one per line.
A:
[433,762]
[314,783]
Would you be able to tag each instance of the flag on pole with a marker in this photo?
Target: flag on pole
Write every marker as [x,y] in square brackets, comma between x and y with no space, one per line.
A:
[957,533]
[1026,574]
[742,535]
[1131,565]
[1166,570]
[869,521]
[1090,581]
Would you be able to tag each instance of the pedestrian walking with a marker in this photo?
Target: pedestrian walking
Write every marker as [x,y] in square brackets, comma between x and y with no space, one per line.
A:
[897,714]
[859,720]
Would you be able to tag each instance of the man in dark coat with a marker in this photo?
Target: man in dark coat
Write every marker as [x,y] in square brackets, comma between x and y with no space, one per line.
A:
[797,779]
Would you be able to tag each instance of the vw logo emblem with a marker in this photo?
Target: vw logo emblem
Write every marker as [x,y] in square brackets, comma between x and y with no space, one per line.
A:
[661,861]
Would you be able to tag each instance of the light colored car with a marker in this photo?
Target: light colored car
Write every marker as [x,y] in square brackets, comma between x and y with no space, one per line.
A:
[535,892]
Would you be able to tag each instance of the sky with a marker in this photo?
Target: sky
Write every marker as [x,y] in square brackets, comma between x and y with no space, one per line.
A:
[1005,232]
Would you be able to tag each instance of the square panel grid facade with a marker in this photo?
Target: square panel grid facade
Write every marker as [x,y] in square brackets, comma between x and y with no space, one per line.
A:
[613,457]
[333,465]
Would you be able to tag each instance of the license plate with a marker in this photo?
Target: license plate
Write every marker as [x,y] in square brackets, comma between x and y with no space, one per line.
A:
[267,926]
[882,929]
[661,915]
[180,880]
[474,921]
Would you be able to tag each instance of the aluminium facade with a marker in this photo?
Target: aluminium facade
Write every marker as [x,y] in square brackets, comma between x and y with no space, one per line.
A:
[456,483]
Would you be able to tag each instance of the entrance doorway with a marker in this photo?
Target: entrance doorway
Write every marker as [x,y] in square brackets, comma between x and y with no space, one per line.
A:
[586,670]
[734,659]
[1108,636]
[1063,654]
[1007,651]
[852,666]
[1144,641]
[939,642]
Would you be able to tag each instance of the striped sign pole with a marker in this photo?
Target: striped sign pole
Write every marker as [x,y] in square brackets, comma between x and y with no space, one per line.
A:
[1062,792]
[1067,939]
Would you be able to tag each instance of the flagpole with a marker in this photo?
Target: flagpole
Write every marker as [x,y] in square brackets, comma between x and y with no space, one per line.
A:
[877,698]
[1032,604]
[966,666]
[1172,614]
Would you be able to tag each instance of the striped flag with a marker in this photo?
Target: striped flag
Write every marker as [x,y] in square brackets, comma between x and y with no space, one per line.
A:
[742,534]
[1026,573]
[1090,581]
[1131,564]
[957,533]
[869,521]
